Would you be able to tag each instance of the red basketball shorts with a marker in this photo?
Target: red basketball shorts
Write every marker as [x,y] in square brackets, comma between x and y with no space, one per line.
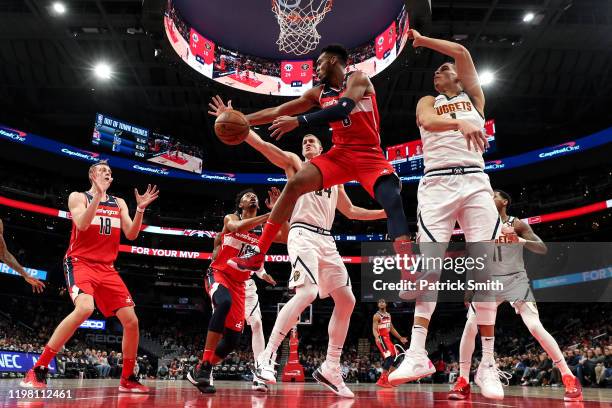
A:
[386,347]
[237,289]
[342,164]
[102,281]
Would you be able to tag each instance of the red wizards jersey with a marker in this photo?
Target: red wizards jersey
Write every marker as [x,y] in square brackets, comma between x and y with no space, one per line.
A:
[362,127]
[234,244]
[99,242]
[384,324]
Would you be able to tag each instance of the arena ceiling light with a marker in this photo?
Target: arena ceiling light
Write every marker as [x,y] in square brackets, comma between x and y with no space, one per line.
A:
[103,70]
[58,7]
[528,17]
[486,78]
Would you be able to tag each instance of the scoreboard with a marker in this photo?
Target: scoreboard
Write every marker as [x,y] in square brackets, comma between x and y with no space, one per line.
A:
[120,137]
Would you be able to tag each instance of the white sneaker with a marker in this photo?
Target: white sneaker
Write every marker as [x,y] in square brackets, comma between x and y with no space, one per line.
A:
[259,386]
[331,377]
[416,365]
[265,370]
[488,379]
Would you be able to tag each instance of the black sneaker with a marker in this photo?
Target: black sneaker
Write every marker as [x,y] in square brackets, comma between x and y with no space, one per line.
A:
[201,377]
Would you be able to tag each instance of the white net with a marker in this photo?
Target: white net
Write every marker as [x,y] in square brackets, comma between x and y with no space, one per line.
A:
[298,20]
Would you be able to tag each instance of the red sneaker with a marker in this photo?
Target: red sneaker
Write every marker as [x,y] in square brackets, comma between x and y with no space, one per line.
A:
[573,388]
[131,384]
[383,381]
[250,261]
[35,378]
[460,391]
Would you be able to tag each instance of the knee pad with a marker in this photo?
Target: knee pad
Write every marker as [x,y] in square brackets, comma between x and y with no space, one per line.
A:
[388,362]
[485,313]
[228,343]
[388,194]
[424,309]
[222,302]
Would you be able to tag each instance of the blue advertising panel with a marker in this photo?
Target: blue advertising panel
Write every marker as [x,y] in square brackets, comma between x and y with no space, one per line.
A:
[93,324]
[35,273]
[16,361]
[535,156]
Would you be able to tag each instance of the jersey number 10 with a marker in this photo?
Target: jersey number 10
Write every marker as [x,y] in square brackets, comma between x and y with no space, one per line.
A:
[105,226]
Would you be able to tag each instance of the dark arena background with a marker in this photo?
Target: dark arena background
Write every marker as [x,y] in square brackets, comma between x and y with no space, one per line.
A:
[130,82]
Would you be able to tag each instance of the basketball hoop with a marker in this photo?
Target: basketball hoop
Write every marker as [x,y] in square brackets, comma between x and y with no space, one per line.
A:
[298,24]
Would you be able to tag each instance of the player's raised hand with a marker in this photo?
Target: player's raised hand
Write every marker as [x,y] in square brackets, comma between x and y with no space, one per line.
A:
[37,285]
[416,38]
[217,106]
[474,135]
[143,200]
[282,125]
[101,183]
[273,195]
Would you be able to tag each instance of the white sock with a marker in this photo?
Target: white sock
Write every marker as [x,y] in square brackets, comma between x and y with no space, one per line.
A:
[418,338]
[488,344]
[466,347]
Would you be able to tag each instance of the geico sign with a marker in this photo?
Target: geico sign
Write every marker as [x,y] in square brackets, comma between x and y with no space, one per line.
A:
[104,338]
[93,324]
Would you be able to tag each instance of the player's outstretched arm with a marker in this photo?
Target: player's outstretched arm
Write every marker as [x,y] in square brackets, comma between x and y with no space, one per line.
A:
[350,211]
[8,258]
[466,71]
[232,223]
[428,119]
[529,238]
[304,103]
[131,227]
[357,86]
[289,162]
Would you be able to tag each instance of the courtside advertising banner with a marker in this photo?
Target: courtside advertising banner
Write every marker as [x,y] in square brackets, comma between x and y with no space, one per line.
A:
[15,361]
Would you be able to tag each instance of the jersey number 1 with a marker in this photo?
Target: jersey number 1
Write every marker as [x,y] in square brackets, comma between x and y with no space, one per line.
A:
[105,226]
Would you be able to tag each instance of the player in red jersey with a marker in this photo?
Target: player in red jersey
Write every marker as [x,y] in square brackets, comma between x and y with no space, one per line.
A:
[97,221]
[9,259]
[348,102]
[226,285]
[383,329]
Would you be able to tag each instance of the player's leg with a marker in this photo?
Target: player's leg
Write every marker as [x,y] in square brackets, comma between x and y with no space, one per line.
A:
[287,318]
[387,191]
[258,342]
[479,219]
[129,347]
[325,170]
[461,388]
[83,308]
[531,318]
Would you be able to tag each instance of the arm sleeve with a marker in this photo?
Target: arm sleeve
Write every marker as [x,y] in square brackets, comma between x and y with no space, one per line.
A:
[339,111]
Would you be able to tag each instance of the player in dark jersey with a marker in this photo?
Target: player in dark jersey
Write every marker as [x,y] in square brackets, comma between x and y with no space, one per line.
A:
[382,327]
[9,259]
[97,221]
[226,285]
[348,102]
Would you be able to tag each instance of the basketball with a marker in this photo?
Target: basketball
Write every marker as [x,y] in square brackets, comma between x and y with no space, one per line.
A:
[232,127]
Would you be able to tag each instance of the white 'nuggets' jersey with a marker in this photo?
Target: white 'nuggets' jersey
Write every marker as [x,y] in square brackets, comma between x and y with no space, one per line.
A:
[449,149]
[507,258]
[317,208]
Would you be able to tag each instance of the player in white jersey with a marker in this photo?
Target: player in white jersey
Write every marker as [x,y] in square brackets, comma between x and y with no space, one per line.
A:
[453,189]
[316,265]
[252,312]
[509,269]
